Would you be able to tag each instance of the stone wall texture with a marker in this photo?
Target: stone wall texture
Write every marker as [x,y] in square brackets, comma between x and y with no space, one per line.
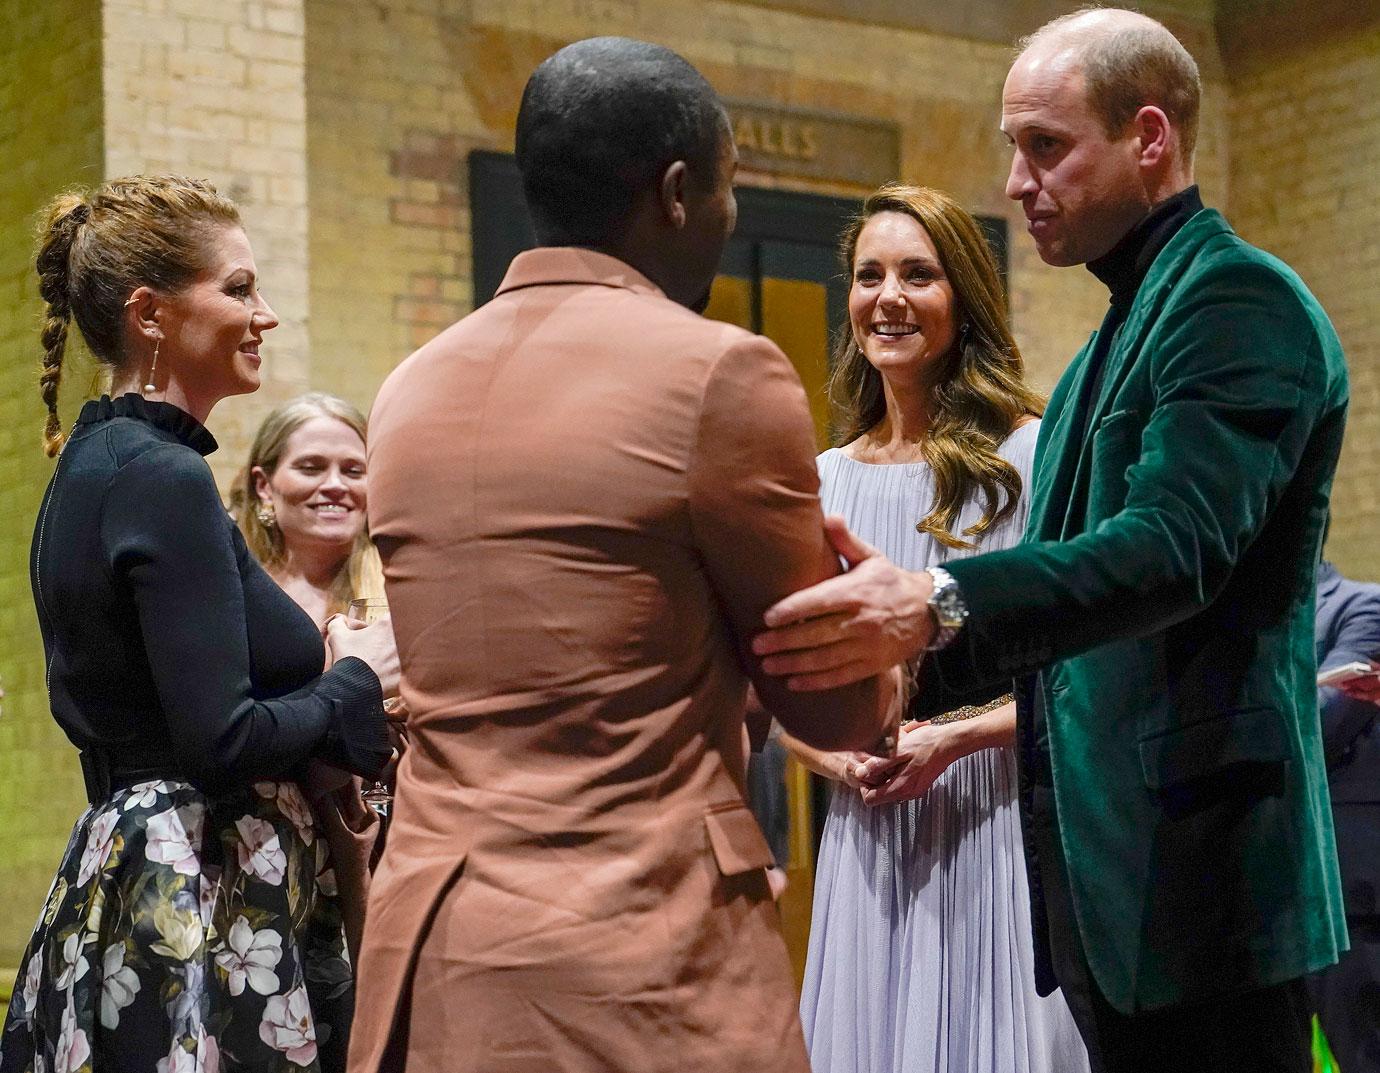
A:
[1305,154]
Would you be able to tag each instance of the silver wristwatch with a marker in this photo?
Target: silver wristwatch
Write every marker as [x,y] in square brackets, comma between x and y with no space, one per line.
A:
[947,603]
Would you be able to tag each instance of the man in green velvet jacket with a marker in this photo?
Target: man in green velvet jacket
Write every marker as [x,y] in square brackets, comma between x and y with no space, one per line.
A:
[1174,795]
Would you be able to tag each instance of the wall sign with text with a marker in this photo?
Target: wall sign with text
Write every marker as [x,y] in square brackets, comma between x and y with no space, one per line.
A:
[816,145]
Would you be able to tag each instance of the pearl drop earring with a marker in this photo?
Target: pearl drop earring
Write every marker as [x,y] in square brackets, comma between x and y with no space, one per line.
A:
[149,387]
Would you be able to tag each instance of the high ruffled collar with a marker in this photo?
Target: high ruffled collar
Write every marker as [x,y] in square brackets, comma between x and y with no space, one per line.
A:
[162,415]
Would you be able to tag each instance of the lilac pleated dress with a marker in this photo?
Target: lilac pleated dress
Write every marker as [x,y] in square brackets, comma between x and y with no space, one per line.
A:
[920,943]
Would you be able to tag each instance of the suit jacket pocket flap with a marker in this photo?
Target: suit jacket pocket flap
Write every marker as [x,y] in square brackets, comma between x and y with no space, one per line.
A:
[1242,736]
[736,840]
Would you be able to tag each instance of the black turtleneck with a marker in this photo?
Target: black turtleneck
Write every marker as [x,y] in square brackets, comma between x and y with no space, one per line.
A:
[168,647]
[1123,269]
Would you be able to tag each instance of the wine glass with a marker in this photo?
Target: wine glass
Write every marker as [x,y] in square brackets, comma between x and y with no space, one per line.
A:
[368,611]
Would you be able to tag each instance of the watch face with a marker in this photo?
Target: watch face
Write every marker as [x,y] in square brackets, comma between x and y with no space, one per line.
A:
[948,605]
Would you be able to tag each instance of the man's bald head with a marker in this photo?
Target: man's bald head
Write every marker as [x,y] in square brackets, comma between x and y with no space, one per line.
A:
[1128,61]
[599,123]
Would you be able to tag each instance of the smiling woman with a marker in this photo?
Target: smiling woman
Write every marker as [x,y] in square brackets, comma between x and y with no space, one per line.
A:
[195,889]
[301,500]
[919,942]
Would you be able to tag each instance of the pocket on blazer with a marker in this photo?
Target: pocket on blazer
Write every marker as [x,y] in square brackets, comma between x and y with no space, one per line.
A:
[1243,736]
[1115,449]
[735,839]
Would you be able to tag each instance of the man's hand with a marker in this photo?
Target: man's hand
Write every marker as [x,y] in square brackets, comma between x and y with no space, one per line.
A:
[849,627]
[858,770]
[1365,688]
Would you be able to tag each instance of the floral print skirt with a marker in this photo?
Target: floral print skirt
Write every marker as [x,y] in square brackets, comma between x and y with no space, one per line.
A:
[186,934]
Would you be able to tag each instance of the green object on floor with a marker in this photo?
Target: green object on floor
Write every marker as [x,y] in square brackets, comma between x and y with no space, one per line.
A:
[1323,1062]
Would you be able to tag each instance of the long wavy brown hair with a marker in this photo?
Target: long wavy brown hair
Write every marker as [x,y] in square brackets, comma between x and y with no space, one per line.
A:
[978,392]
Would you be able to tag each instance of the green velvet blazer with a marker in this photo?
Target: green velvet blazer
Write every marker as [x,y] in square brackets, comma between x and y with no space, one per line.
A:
[1165,593]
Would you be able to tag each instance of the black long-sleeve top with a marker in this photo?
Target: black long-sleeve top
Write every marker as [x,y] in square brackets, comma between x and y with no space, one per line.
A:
[167,645]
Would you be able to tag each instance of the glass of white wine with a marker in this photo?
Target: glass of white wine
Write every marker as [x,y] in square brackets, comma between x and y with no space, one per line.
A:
[368,611]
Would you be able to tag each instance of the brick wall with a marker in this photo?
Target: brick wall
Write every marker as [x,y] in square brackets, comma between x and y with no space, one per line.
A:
[399,91]
[217,90]
[1305,154]
[49,52]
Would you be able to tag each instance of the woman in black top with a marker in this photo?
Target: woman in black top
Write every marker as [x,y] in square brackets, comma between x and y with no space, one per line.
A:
[191,923]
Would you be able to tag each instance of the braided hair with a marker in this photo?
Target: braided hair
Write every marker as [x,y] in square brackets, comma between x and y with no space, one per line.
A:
[65,216]
[95,249]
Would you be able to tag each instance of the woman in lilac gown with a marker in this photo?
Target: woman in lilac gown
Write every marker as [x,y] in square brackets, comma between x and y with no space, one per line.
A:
[920,953]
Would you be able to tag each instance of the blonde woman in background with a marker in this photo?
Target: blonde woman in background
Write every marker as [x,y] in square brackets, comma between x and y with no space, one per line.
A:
[301,501]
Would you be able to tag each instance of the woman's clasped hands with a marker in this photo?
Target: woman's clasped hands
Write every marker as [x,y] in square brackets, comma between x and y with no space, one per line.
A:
[373,644]
[922,755]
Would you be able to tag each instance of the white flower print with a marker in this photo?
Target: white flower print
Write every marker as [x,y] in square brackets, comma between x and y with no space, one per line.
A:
[184,1010]
[287,1026]
[99,842]
[179,1060]
[209,890]
[33,975]
[180,932]
[207,1052]
[204,1057]
[174,838]
[295,808]
[74,964]
[251,957]
[119,985]
[145,794]
[73,1050]
[259,852]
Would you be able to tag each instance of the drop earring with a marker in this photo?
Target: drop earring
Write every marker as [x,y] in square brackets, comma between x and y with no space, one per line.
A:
[153,365]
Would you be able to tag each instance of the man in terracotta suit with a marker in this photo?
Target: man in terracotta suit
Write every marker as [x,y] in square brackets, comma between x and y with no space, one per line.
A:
[586,496]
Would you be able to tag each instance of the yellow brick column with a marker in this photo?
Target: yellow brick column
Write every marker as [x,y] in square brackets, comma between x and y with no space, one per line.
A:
[1305,150]
[218,90]
[49,53]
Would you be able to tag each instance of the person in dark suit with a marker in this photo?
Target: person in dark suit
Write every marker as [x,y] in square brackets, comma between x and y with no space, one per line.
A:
[1347,995]
[1158,617]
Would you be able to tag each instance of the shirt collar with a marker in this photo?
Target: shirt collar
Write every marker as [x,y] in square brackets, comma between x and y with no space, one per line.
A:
[549,265]
[162,415]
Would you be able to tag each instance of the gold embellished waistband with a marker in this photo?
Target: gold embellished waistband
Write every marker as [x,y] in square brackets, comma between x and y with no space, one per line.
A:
[970,711]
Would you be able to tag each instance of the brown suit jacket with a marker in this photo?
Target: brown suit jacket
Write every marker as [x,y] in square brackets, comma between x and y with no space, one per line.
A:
[585,496]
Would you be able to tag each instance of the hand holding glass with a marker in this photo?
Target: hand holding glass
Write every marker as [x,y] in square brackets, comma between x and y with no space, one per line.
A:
[370,611]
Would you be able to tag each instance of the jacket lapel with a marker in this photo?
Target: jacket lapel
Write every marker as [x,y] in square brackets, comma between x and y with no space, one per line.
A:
[1055,463]
[1069,464]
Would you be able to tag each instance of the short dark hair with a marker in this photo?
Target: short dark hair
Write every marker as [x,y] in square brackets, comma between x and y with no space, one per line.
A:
[599,122]
[1128,67]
